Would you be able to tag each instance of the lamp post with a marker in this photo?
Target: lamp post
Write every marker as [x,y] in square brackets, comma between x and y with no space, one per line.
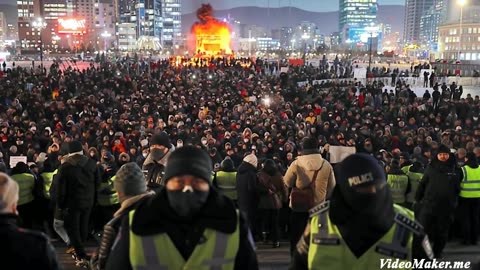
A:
[461,3]
[105,36]
[40,24]
[372,30]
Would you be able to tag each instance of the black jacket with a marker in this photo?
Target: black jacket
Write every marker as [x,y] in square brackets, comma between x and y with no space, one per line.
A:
[77,182]
[154,216]
[438,191]
[247,187]
[24,249]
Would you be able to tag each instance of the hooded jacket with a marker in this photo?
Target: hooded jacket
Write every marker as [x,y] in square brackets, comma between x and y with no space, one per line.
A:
[77,182]
[156,169]
[301,171]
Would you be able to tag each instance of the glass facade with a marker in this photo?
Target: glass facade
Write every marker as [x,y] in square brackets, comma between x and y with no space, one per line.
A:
[356,14]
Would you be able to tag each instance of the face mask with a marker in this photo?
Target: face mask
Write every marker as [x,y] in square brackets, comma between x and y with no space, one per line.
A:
[475,118]
[188,202]
[437,129]
[19,142]
[245,140]
[157,154]
[111,133]
[209,121]
[144,155]
[179,145]
[92,155]
[204,142]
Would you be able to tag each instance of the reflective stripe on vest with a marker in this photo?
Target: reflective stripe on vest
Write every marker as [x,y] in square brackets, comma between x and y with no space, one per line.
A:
[107,194]
[217,251]
[26,183]
[47,182]
[227,183]
[398,186]
[327,249]
[415,179]
[470,185]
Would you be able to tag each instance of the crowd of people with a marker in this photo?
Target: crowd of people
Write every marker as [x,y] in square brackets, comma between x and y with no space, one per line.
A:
[265,139]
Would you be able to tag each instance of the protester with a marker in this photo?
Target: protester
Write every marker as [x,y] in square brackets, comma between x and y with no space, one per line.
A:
[27,185]
[308,172]
[132,190]
[437,195]
[21,248]
[155,162]
[78,179]
[187,224]
[272,194]
[246,190]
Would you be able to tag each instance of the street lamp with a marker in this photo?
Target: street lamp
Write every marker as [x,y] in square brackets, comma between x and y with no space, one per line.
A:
[40,24]
[461,3]
[105,36]
[372,30]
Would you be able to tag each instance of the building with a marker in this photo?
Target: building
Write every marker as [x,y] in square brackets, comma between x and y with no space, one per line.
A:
[28,36]
[268,44]
[414,10]
[12,33]
[105,24]
[3,26]
[459,38]
[172,26]
[127,36]
[149,18]
[286,35]
[429,23]
[356,14]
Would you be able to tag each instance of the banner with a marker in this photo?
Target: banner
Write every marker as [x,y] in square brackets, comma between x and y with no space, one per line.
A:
[16,159]
[339,153]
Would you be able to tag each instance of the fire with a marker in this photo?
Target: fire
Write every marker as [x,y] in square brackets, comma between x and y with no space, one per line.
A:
[212,36]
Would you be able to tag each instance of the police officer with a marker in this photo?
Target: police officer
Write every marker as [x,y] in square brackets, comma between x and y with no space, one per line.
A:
[360,225]
[415,174]
[469,201]
[398,182]
[187,224]
[226,179]
[107,197]
[26,182]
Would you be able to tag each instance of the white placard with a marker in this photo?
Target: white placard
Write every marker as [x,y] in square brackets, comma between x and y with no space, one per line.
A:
[284,69]
[16,159]
[339,153]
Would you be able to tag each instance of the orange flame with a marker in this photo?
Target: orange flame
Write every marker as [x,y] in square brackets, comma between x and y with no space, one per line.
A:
[212,37]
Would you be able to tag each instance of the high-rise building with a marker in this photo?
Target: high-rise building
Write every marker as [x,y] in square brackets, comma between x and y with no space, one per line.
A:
[356,14]
[3,26]
[149,18]
[28,36]
[286,36]
[105,23]
[414,10]
[172,26]
[430,21]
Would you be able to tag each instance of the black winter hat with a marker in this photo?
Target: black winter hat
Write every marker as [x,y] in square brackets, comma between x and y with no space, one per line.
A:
[359,170]
[443,149]
[74,147]
[189,160]
[160,139]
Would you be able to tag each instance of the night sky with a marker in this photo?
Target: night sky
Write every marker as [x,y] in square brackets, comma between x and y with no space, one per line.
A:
[312,5]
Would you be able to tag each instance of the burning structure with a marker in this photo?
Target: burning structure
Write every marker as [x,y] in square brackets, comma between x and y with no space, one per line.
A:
[212,37]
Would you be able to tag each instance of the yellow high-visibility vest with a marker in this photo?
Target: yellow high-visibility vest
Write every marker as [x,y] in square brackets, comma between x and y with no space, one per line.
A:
[227,183]
[26,183]
[159,252]
[107,194]
[470,185]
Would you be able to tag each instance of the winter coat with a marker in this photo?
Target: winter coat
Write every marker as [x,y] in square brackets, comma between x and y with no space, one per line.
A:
[24,249]
[270,190]
[247,187]
[301,171]
[438,191]
[155,170]
[77,181]
[154,216]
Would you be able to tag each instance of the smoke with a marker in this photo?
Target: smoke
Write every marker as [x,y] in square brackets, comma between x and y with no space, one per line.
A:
[205,13]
